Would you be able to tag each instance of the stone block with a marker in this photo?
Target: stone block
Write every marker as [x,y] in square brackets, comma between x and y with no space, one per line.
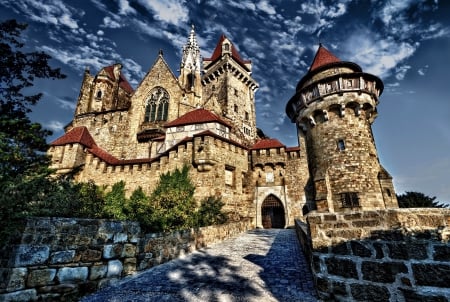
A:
[341,267]
[40,277]
[340,249]
[407,250]
[97,272]
[382,272]
[59,288]
[120,237]
[72,274]
[115,268]
[414,296]
[441,253]
[428,274]
[366,223]
[90,255]
[19,296]
[129,250]
[17,278]
[111,251]
[29,255]
[369,292]
[62,257]
[360,249]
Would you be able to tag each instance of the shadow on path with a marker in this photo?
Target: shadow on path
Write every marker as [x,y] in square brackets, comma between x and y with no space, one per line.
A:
[285,270]
[260,265]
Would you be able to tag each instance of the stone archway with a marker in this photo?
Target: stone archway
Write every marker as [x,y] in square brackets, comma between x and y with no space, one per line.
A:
[272,213]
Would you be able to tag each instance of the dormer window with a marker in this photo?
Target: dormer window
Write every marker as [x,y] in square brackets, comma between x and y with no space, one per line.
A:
[226,47]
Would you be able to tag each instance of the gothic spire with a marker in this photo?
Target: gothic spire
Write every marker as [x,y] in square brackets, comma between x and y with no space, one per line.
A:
[191,53]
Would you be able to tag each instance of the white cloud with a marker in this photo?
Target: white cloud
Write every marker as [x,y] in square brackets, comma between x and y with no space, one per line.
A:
[54,12]
[69,105]
[422,71]
[125,8]
[110,23]
[169,11]
[55,126]
[265,6]
[400,71]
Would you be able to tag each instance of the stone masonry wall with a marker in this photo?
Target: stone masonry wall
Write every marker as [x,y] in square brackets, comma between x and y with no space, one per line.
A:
[389,255]
[60,257]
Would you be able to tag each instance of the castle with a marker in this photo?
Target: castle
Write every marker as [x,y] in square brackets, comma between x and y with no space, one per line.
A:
[205,118]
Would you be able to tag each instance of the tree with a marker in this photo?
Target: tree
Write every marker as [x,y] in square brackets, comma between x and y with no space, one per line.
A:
[22,142]
[23,162]
[418,200]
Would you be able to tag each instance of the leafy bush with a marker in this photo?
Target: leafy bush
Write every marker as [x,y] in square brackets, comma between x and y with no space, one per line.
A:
[173,201]
[210,212]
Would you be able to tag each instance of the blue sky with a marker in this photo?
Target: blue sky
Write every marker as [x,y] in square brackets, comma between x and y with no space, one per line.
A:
[404,42]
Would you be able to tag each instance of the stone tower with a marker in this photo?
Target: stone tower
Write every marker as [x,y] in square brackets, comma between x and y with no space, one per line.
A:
[229,89]
[334,107]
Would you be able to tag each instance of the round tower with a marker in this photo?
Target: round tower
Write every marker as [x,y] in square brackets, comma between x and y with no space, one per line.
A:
[334,107]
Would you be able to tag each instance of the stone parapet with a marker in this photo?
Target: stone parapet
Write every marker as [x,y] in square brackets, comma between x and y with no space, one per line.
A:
[61,257]
[386,255]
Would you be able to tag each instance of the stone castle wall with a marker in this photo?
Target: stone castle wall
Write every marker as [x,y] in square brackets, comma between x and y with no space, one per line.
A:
[57,257]
[384,255]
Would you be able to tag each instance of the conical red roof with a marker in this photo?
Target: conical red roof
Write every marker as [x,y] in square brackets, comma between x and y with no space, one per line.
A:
[323,57]
[78,135]
[234,53]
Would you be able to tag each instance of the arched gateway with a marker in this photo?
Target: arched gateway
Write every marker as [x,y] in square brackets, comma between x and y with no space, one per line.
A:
[272,212]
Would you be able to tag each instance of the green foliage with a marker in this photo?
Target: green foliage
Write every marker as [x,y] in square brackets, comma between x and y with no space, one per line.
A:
[24,181]
[115,202]
[173,201]
[418,200]
[210,212]
[22,143]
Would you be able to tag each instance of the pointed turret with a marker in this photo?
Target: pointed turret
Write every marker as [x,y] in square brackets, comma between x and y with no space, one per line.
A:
[190,67]
[323,57]
[334,106]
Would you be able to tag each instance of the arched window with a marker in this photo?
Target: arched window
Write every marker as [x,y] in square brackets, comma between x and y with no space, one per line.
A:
[157,105]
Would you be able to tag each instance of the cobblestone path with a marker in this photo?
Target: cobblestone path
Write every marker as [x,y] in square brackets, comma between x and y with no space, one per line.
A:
[259,265]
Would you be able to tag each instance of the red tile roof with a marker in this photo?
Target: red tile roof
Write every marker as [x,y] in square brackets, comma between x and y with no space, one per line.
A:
[123,83]
[197,116]
[291,149]
[78,135]
[267,143]
[234,53]
[323,57]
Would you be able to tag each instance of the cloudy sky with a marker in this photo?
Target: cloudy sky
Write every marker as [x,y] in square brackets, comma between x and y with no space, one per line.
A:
[404,42]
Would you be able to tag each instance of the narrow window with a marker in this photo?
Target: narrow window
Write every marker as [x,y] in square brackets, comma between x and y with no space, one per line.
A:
[246,116]
[99,94]
[349,200]
[341,145]
[388,192]
[235,108]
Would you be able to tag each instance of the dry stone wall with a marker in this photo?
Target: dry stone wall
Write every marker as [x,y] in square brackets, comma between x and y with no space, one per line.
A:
[61,257]
[388,255]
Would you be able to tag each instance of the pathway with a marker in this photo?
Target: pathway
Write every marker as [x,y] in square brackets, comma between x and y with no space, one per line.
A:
[259,265]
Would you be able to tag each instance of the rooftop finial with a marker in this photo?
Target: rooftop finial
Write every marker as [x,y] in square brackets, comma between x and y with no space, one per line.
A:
[160,52]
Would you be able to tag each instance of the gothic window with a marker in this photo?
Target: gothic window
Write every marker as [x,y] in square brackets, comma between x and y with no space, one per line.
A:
[157,105]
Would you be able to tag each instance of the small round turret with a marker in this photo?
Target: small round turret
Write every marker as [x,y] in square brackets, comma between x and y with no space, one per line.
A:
[334,107]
